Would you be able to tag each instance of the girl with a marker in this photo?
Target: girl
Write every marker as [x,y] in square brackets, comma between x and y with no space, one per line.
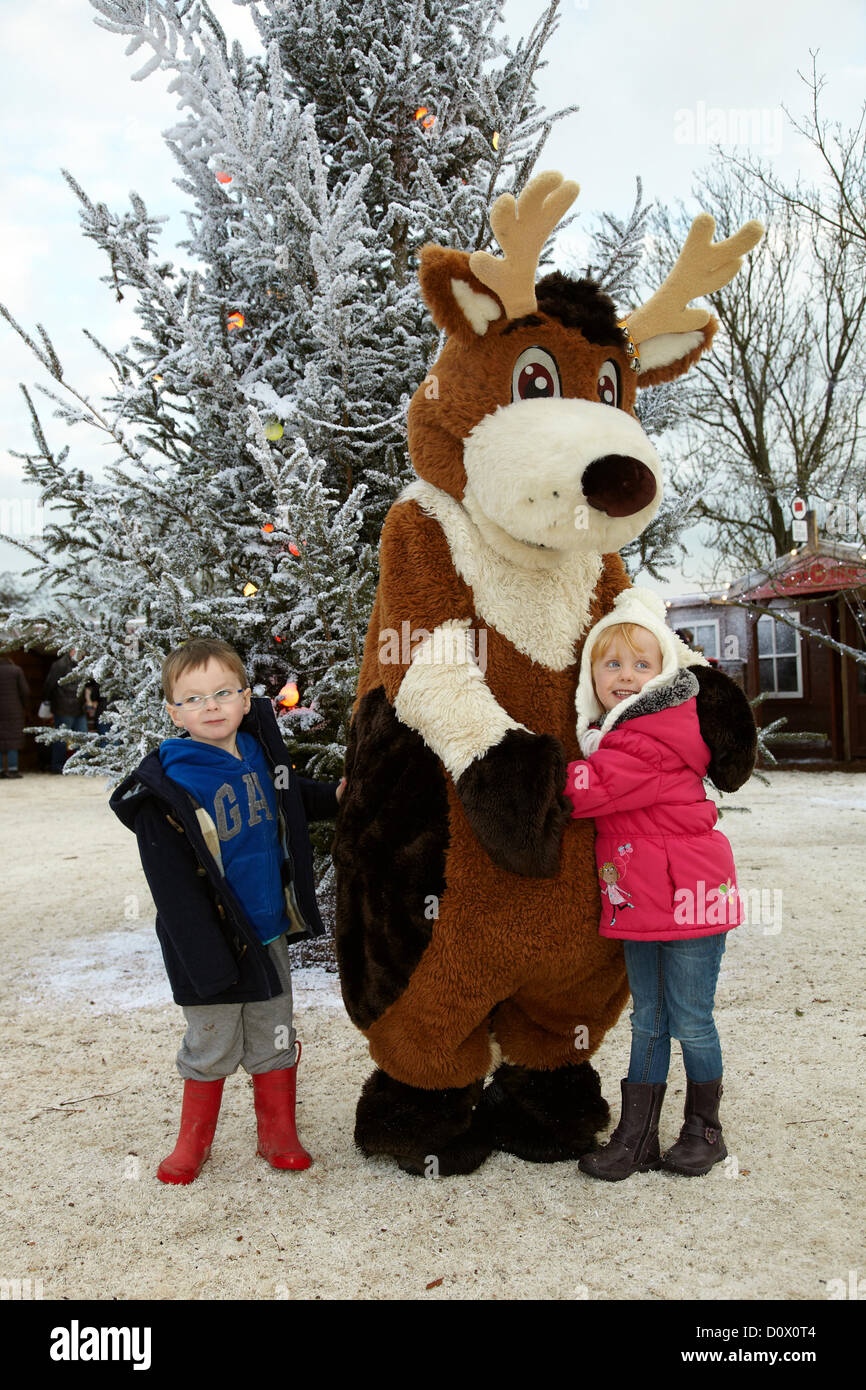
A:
[667,876]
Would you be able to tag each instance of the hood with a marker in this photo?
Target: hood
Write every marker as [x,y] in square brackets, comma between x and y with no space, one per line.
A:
[675,725]
[194,755]
[646,609]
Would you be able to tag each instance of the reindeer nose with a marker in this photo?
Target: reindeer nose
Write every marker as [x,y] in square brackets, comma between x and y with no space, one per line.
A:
[618,485]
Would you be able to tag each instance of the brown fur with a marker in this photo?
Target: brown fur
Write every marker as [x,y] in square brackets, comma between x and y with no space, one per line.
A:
[506,950]
[512,949]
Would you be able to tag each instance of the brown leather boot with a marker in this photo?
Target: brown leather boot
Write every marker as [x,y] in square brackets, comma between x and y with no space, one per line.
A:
[634,1145]
[700,1144]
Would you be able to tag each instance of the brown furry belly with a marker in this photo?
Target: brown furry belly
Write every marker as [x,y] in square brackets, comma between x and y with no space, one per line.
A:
[516,928]
[411,875]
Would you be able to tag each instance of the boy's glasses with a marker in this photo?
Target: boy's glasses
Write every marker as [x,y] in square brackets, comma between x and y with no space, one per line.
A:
[222,697]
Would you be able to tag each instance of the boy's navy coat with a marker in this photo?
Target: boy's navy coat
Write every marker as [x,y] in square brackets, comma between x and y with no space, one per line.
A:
[211,950]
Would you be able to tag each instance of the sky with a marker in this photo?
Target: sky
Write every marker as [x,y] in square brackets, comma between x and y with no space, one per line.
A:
[654,82]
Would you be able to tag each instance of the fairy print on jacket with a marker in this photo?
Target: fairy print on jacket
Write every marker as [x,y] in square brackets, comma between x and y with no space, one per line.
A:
[610,873]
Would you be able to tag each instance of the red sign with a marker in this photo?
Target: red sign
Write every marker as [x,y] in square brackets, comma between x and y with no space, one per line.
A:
[817,574]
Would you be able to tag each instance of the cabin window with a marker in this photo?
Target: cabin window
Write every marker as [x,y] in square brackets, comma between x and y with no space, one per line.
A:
[779,660]
[706,638]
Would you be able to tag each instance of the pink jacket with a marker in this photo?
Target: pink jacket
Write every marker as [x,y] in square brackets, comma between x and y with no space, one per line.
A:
[665,873]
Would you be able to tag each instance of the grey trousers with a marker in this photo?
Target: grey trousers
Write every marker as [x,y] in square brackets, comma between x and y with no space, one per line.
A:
[258,1036]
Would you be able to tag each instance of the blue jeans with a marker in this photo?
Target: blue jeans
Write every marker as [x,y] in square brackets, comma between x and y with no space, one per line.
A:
[673,985]
[78,724]
[11,756]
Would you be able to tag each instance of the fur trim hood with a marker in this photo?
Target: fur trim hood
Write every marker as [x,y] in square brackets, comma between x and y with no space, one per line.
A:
[646,609]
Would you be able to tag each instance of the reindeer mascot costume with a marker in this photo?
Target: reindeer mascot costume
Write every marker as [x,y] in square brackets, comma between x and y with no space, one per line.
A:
[467,900]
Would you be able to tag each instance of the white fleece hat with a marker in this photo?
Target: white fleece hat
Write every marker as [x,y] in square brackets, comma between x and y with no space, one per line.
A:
[647,609]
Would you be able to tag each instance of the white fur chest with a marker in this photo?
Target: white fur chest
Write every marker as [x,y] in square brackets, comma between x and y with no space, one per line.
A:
[540,602]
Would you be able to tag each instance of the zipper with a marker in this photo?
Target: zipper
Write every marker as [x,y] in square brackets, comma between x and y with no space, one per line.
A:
[293,908]
[238,944]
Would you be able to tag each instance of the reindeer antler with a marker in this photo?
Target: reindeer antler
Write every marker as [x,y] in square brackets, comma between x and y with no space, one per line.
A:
[700,268]
[521,229]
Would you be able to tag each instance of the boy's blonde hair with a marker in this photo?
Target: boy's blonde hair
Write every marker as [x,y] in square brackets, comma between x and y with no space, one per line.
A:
[198,652]
[624,630]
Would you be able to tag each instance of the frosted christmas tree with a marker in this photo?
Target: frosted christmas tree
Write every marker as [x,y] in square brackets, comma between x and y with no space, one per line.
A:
[258,418]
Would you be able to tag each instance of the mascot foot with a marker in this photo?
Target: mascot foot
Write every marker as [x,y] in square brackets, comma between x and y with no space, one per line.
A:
[543,1116]
[430,1133]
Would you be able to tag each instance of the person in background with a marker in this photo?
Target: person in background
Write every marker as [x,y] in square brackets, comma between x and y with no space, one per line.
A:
[14,694]
[94,709]
[67,707]
[687,636]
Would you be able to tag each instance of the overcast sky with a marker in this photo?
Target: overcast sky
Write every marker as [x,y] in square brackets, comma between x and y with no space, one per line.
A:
[647,77]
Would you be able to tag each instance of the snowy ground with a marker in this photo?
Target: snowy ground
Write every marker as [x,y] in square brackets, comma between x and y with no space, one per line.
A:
[90,1103]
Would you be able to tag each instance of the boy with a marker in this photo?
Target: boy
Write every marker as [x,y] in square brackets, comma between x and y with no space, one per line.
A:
[221,823]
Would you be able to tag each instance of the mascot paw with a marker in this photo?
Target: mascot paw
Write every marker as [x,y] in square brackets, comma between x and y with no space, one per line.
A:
[727,727]
[544,1116]
[513,799]
[430,1133]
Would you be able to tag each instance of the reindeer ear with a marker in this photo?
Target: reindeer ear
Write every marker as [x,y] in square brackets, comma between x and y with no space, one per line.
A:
[670,355]
[458,301]
[669,335]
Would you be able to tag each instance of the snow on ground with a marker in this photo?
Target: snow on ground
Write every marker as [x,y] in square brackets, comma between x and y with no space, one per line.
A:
[91,1101]
[123,970]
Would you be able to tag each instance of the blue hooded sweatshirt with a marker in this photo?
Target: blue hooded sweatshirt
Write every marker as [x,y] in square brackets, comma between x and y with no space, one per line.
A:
[238,795]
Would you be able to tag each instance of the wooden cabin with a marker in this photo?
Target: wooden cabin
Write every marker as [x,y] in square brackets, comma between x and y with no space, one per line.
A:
[816,689]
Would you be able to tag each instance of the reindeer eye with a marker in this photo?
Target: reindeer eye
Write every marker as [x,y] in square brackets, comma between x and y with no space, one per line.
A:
[608,384]
[535,374]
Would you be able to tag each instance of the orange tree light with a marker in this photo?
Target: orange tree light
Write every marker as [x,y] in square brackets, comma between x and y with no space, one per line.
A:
[289,695]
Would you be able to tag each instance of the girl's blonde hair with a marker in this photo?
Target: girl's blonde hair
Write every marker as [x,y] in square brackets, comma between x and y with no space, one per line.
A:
[624,630]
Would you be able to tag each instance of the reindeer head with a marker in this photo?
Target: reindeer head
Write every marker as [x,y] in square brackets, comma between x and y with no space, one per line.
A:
[528,414]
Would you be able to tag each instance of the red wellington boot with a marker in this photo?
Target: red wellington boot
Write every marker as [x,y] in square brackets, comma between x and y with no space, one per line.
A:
[274,1096]
[198,1120]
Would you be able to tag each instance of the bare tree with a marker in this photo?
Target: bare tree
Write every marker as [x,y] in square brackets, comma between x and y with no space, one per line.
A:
[840,204]
[776,409]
